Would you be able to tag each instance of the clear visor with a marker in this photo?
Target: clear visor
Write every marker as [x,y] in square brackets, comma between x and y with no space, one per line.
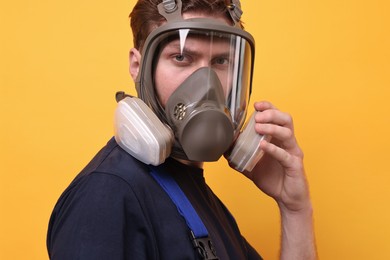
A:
[181,52]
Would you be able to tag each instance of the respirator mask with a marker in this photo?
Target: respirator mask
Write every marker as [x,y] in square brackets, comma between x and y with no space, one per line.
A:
[193,85]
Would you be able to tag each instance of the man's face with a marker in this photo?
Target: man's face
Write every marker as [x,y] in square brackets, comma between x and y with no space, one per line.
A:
[177,60]
[176,64]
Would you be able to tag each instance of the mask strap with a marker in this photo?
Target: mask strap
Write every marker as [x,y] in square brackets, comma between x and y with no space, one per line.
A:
[234,9]
[170,9]
[169,5]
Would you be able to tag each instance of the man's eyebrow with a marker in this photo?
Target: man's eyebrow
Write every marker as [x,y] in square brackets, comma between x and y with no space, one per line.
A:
[176,46]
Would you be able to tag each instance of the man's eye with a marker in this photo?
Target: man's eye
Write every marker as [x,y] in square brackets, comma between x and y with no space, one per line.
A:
[179,57]
[221,61]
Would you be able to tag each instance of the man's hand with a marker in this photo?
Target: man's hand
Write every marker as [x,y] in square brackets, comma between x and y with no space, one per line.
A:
[280,174]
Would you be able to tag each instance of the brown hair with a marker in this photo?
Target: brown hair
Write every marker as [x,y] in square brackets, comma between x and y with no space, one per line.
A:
[145,16]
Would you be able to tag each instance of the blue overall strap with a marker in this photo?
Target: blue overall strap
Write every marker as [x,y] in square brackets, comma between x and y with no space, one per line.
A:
[181,201]
[199,235]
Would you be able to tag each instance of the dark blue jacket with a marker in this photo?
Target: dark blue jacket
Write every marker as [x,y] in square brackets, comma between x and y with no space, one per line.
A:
[114,209]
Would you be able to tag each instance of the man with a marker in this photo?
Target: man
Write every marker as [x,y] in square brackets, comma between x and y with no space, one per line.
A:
[144,196]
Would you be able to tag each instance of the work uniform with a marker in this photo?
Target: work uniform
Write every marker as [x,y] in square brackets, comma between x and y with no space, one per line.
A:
[115,209]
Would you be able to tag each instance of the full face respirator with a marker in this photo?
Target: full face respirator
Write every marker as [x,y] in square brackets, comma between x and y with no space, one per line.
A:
[209,65]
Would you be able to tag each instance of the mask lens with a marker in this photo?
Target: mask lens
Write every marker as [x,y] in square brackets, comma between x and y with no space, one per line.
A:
[183,51]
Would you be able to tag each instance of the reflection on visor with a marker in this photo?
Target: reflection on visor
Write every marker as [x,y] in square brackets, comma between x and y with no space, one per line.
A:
[183,51]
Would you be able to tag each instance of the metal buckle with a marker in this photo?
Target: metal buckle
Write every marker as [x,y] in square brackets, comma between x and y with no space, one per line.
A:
[234,8]
[204,247]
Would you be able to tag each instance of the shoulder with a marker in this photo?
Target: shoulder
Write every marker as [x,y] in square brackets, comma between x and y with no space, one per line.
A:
[104,205]
[113,160]
[113,175]
[113,170]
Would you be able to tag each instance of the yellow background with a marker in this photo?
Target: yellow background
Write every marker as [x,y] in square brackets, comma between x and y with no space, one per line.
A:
[325,62]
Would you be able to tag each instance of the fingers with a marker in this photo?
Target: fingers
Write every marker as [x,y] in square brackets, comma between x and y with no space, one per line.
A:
[284,135]
[263,105]
[277,124]
[283,157]
[270,114]
[287,160]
